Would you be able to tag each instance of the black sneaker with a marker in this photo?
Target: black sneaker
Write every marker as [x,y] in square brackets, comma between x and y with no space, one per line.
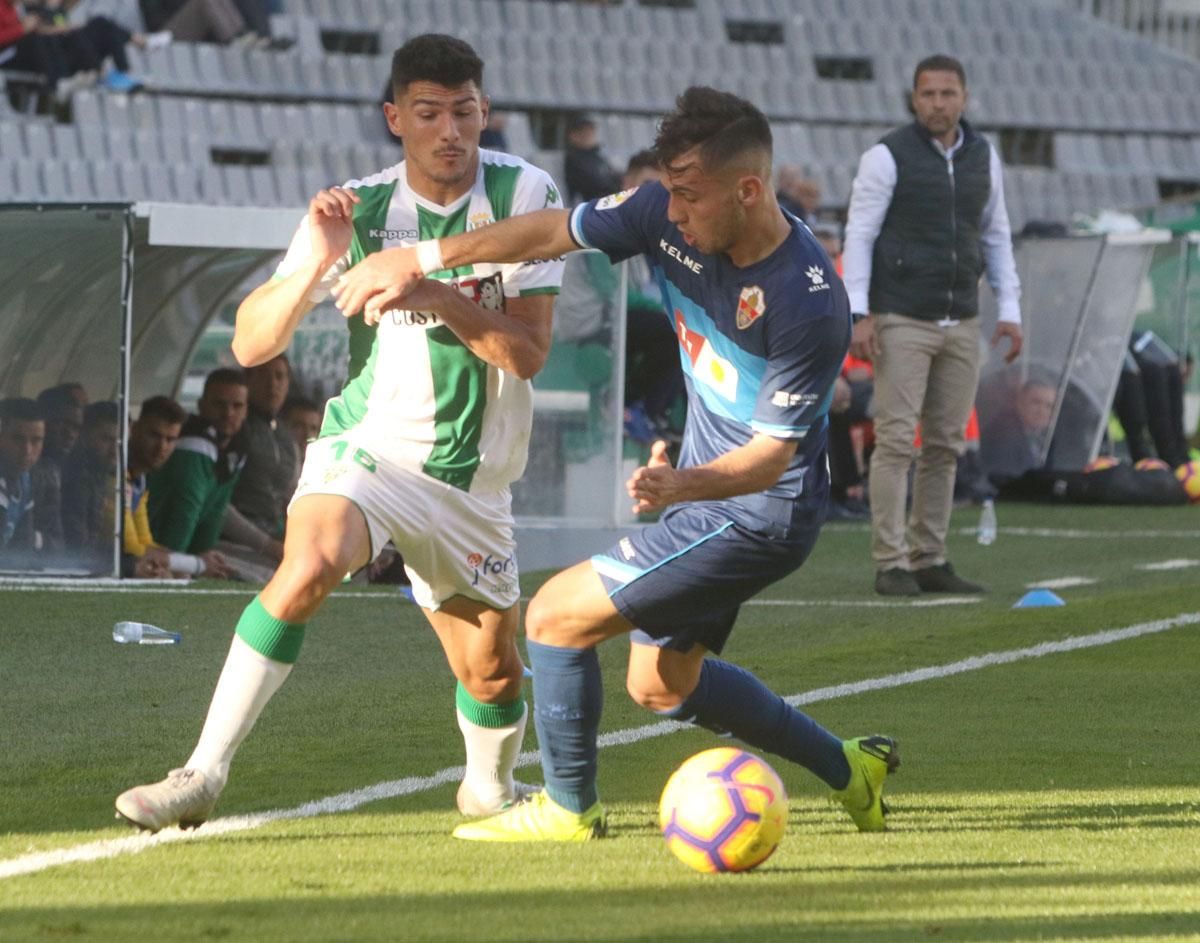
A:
[943,579]
[896,582]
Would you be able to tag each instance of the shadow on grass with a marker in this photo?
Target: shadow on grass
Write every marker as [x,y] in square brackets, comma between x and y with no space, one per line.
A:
[713,909]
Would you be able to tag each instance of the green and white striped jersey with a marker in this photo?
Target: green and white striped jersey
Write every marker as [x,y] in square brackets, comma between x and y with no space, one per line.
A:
[415,395]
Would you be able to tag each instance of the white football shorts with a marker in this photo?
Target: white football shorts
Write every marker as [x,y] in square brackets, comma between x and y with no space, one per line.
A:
[454,543]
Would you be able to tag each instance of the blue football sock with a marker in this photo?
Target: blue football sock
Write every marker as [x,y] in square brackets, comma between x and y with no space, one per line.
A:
[567,699]
[730,700]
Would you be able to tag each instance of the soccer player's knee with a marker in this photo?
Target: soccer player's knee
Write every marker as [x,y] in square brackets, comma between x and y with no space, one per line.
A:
[541,618]
[652,693]
[310,575]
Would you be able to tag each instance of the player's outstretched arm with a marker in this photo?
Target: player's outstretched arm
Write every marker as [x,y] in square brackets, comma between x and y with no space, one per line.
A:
[747,469]
[383,279]
[268,316]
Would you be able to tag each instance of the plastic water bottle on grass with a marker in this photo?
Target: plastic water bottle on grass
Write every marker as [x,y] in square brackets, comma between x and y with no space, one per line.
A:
[986,533]
[142,633]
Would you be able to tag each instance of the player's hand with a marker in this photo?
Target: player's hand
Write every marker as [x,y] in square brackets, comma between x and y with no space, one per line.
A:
[656,484]
[1016,339]
[378,283]
[864,345]
[149,568]
[215,565]
[330,223]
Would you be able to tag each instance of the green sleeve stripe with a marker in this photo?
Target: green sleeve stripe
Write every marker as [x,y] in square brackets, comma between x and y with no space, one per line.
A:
[544,290]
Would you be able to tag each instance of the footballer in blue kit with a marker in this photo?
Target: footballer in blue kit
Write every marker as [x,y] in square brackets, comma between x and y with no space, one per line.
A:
[763,325]
[760,348]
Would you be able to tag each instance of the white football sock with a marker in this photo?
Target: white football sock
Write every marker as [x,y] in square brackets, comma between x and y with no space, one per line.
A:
[491,755]
[247,682]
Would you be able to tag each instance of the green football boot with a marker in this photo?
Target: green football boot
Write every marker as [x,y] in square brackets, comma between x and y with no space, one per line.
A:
[871,759]
[537,818]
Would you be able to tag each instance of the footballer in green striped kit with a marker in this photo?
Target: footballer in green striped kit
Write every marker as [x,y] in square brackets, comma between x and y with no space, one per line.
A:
[421,445]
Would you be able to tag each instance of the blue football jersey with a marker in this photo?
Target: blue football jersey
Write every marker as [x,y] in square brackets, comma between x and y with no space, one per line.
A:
[760,346]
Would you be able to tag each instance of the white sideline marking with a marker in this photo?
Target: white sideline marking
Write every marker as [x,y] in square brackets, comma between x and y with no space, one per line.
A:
[1063,582]
[1168,565]
[398,597]
[1076,534]
[347,801]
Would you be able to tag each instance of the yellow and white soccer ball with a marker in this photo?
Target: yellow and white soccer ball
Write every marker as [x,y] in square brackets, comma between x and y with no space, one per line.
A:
[1189,476]
[723,810]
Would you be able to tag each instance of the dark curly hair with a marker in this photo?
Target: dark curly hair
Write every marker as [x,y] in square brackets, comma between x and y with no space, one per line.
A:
[438,58]
[720,124]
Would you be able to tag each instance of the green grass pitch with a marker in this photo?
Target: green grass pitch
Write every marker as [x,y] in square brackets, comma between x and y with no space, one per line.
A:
[1049,798]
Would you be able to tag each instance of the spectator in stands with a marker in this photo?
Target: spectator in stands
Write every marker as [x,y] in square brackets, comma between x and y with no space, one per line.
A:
[798,194]
[30,524]
[1011,440]
[89,481]
[653,375]
[588,173]
[212,21]
[64,419]
[43,41]
[152,440]
[189,494]
[254,523]
[926,217]
[302,418]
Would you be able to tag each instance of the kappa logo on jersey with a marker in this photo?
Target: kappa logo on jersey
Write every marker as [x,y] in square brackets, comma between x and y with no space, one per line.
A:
[552,197]
[613,200]
[393,235]
[708,367]
[816,275]
[752,305]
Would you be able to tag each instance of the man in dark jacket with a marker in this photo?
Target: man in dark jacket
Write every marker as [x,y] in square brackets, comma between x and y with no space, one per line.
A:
[926,219]
[588,174]
[30,526]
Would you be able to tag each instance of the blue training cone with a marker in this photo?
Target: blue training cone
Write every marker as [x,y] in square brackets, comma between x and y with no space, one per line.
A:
[1036,598]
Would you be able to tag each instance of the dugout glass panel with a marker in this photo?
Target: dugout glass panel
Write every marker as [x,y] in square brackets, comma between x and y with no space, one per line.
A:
[63,270]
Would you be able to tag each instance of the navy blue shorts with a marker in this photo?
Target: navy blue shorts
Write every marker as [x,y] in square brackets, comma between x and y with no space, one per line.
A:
[682,580]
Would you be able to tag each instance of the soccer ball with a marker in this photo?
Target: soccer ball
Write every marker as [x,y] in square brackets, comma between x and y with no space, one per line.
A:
[1101,464]
[723,810]
[1189,476]
[1151,464]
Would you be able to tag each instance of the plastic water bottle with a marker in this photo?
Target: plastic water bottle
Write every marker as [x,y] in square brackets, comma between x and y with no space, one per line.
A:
[986,534]
[142,633]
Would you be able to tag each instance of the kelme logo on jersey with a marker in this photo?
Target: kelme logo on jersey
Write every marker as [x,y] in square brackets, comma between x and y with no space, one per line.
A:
[751,306]
[496,571]
[613,200]
[816,275]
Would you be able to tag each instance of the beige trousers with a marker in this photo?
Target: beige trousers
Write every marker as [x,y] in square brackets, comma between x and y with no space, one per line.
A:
[927,372]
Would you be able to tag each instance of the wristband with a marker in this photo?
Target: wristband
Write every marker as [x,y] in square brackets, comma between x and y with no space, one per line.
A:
[429,256]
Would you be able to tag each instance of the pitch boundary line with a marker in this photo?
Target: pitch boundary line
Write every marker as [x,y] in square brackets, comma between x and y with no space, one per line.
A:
[348,801]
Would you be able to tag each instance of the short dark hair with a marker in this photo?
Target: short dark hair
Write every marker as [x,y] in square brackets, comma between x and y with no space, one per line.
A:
[104,412]
[940,63]
[224,376]
[164,408]
[56,400]
[299,402]
[20,409]
[720,124]
[438,58]
[641,160]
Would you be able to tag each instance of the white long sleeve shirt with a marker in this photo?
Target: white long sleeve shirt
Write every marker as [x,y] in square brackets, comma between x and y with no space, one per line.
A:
[870,197]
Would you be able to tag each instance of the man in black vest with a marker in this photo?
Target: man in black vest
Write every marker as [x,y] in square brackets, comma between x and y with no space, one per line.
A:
[927,218]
